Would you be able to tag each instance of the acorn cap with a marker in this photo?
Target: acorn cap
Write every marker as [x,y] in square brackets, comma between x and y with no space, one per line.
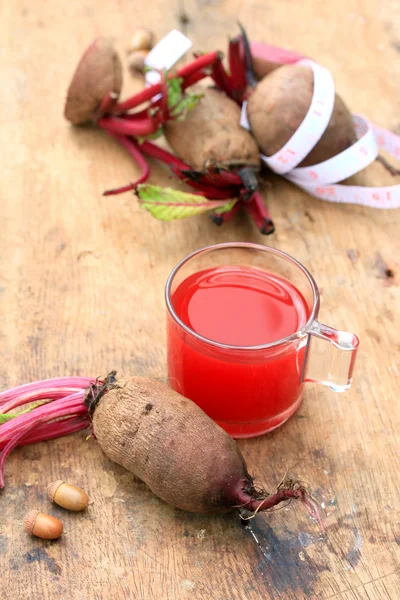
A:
[53,487]
[30,520]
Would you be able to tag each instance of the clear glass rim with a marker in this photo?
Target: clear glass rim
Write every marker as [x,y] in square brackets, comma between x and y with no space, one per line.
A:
[291,338]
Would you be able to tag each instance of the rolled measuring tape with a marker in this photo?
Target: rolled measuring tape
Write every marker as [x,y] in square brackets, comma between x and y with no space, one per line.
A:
[321,180]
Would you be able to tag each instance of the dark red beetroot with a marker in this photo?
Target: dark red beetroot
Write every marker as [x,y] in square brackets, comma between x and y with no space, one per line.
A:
[278,105]
[96,83]
[164,439]
[211,136]
[280,100]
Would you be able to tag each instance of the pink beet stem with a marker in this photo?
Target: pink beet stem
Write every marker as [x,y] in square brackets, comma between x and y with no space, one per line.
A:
[72,404]
[11,444]
[74,382]
[137,128]
[237,65]
[147,94]
[48,394]
[12,432]
[221,77]
[53,429]
[134,151]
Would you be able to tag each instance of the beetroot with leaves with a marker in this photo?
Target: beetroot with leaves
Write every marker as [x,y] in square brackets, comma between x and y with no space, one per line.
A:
[164,439]
[216,156]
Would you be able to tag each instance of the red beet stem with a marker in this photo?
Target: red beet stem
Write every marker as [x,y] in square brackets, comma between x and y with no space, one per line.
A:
[134,151]
[145,95]
[137,127]
[208,191]
[164,112]
[248,59]
[222,178]
[145,113]
[194,78]
[259,213]
[163,155]
[221,77]
[107,103]
[201,62]
[226,216]
[237,65]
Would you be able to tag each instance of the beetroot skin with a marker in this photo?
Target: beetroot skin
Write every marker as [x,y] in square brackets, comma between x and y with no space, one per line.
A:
[97,78]
[177,450]
[278,105]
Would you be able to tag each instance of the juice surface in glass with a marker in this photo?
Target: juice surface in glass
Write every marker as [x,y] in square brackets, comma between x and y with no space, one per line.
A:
[247,390]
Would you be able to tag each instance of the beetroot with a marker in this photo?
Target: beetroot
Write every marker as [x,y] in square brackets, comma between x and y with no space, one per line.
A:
[210,135]
[96,83]
[164,439]
[278,105]
[219,158]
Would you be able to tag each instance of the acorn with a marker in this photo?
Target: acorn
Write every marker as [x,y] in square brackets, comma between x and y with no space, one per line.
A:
[142,39]
[68,496]
[42,526]
[136,62]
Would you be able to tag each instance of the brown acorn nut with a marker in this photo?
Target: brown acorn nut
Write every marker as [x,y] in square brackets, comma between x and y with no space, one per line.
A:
[142,39]
[42,526]
[68,496]
[136,62]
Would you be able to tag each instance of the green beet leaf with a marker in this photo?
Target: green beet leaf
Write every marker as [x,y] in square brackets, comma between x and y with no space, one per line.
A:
[4,417]
[168,204]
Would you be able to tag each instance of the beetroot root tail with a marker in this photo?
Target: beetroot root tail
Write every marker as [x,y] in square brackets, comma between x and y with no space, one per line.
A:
[286,492]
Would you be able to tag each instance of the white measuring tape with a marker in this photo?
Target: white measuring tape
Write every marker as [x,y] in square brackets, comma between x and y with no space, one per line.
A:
[318,180]
[165,54]
[312,127]
[321,180]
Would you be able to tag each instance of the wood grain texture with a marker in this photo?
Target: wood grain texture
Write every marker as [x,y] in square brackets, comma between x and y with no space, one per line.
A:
[81,292]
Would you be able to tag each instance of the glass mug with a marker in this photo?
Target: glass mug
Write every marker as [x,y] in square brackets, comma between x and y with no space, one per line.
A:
[250,390]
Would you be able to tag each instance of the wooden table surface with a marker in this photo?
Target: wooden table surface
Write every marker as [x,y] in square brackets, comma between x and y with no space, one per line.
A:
[81,292]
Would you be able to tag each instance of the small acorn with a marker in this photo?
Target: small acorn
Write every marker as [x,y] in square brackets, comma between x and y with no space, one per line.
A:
[136,62]
[42,525]
[142,39]
[68,496]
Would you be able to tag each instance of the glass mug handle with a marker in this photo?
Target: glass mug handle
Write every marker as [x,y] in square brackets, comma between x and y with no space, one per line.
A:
[330,357]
